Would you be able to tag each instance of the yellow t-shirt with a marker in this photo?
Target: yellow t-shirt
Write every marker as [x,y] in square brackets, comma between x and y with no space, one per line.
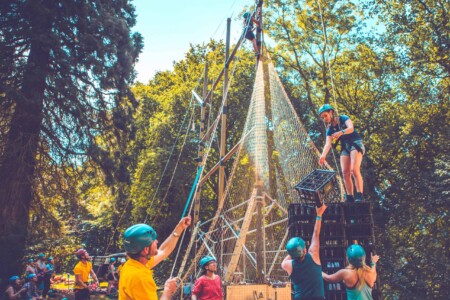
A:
[83,269]
[136,281]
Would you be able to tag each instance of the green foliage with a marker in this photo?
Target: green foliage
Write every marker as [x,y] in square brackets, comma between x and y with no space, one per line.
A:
[393,83]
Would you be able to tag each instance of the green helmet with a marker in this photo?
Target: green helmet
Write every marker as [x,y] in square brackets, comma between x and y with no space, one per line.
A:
[296,247]
[206,260]
[325,107]
[137,237]
[356,255]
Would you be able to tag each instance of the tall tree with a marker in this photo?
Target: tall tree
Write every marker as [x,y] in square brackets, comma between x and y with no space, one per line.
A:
[68,66]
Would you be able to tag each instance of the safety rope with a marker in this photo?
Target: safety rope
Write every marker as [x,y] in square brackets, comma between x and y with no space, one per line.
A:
[327,63]
[168,159]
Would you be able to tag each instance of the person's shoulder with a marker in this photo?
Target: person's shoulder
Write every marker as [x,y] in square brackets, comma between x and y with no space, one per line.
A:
[344,117]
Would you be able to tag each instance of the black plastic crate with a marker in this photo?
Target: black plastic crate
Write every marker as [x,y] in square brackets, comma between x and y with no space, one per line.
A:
[318,187]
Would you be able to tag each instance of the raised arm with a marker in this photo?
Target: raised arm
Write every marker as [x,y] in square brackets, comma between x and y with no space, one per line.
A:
[169,244]
[315,241]
[371,275]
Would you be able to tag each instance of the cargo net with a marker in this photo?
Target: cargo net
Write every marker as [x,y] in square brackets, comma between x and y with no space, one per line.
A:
[249,231]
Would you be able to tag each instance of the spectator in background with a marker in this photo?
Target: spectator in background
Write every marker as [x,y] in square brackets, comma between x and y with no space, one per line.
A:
[30,267]
[41,268]
[112,275]
[48,276]
[14,290]
[82,271]
[32,292]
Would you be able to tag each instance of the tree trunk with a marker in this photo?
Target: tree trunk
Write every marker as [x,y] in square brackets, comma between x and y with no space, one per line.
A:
[17,165]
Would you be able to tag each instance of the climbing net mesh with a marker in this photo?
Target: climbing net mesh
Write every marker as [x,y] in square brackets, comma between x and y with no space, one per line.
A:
[249,231]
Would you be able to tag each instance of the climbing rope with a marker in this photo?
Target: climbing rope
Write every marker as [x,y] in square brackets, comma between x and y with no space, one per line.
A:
[327,63]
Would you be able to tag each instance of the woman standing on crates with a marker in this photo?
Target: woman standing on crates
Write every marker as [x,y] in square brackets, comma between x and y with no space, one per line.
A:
[340,130]
[357,276]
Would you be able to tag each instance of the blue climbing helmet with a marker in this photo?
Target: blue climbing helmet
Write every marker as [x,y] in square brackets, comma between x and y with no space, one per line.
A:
[30,276]
[41,255]
[246,15]
[30,260]
[206,260]
[356,255]
[296,247]
[12,279]
[137,237]
[112,259]
[49,259]
[325,107]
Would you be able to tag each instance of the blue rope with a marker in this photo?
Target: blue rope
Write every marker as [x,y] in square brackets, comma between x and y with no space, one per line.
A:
[199,171]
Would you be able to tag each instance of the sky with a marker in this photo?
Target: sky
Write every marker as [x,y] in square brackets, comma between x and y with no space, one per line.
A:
[170,26]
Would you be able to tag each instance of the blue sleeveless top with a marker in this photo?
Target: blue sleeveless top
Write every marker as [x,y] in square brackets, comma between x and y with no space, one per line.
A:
[307,279]
[365,293]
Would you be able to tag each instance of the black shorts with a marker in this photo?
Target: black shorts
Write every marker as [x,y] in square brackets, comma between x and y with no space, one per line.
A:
[249,35]
[82,294]
[110,277]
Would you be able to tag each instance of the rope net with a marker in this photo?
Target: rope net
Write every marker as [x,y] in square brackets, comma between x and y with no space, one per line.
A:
[249,231]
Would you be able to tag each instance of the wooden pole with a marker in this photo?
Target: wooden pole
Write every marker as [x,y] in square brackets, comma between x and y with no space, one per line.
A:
[223,131]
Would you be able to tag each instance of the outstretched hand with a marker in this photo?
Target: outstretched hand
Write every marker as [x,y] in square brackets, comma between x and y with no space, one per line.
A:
[374,258]
[321,210]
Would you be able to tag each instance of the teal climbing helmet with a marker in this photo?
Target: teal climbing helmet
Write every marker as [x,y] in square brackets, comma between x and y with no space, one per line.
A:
[112,259]
[30,276]
[206,260]
[137,237]
[246,15]
[12,279]
[356,255]
[41,255]
[325,107]
[296,247]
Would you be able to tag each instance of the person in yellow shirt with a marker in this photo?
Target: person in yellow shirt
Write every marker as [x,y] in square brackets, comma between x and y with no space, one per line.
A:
[82,270]
[136,277]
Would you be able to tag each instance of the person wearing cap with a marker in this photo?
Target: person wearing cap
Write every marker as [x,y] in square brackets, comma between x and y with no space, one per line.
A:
[303,265]
[41,268]
[14,290]
[82,271]
[208,286]
[30,267]
[112,275]
[136,277]
[48,276]
[357,276]
[340,130]
[32,292]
